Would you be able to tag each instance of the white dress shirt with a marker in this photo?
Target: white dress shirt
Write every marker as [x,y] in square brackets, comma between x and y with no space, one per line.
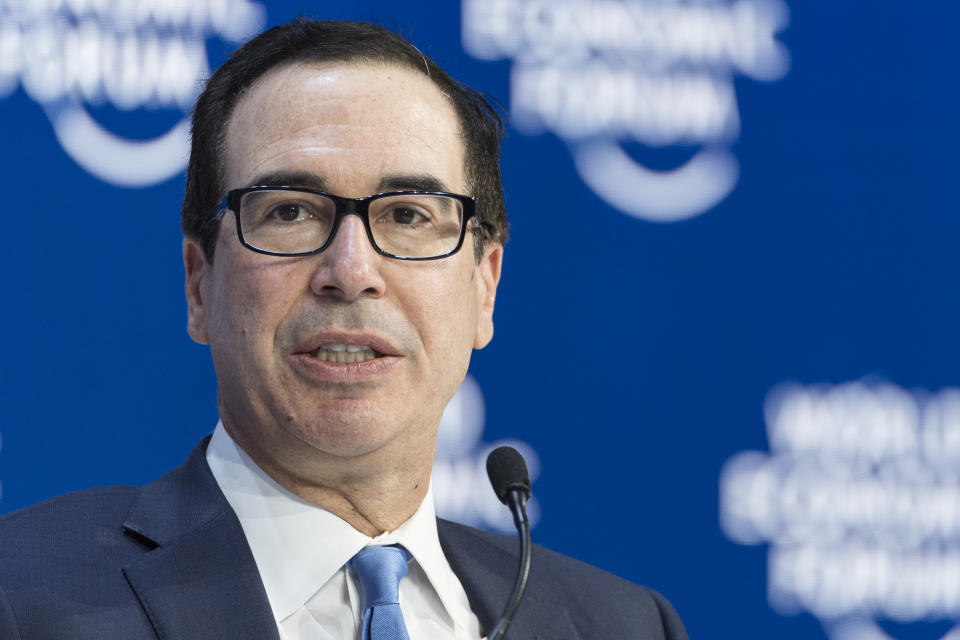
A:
[301,551]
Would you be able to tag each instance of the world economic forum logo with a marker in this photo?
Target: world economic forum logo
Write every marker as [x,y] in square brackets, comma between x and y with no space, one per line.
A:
[859,502]
[130,54]
[460,486]
[601,73]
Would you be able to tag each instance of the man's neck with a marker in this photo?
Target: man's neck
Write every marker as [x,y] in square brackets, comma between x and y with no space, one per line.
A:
[372,493]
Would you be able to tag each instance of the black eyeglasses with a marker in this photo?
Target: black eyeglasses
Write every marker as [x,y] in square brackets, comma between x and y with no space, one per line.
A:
[407,225]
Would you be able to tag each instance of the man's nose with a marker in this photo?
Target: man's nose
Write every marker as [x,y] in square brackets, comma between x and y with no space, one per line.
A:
[350,267]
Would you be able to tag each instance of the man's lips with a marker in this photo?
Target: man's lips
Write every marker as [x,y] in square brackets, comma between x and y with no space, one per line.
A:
[346,356]
[322,368]
[345,353]
[346,347]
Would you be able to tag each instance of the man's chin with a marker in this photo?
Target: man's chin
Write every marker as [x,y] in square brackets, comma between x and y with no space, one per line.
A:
[345,434]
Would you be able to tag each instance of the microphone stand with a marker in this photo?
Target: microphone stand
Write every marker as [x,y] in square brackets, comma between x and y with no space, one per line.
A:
[517,501]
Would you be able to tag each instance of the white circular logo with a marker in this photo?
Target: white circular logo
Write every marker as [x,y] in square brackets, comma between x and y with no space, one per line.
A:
[130,54]
[599,73]
[461,488]
[859,500]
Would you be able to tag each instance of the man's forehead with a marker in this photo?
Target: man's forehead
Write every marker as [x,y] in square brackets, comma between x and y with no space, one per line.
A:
[303,111]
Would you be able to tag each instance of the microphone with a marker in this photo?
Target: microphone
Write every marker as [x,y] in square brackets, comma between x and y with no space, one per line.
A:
[511,482]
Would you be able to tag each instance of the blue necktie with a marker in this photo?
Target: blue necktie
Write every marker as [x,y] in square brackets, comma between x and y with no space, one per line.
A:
[380,570]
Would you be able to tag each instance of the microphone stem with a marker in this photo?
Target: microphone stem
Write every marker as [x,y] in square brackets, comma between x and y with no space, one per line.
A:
[518,506]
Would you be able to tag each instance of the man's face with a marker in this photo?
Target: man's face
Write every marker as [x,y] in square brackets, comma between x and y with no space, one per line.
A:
[352,130]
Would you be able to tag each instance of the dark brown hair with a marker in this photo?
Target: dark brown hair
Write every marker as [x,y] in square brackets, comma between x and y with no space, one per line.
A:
[303,40]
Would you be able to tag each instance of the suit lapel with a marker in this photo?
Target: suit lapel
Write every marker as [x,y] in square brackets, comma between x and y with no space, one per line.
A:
[200,580]
[487,573]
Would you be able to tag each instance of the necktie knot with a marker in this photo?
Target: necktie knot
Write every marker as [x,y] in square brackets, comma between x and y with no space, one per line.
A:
[379,570]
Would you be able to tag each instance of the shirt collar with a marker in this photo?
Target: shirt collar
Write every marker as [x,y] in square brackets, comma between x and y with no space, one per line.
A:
[299,546]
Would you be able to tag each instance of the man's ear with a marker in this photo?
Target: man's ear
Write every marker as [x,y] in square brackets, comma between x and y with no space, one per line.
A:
[488,276]
[197,268]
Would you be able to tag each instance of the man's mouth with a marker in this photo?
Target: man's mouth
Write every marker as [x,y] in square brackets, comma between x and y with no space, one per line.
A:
[345,353]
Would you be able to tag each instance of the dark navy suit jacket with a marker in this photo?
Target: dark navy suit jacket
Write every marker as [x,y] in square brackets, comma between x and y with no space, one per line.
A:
[169,560]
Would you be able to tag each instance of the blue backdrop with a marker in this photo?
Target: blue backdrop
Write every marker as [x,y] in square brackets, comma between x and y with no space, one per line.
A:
[734,230]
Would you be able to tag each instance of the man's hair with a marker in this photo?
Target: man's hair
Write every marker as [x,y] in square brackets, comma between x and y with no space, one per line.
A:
[302,40]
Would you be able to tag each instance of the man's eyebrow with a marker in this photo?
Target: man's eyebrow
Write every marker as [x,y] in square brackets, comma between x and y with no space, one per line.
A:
[414,182]
[291,179]
[399,182]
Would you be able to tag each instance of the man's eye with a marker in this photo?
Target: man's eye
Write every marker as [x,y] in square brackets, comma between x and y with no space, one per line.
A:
[290,212]
[405,216]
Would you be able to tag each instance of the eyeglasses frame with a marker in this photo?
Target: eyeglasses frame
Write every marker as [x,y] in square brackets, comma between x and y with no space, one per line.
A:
[344,207]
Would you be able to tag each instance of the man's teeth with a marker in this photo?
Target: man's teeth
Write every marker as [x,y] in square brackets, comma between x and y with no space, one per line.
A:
[344,353]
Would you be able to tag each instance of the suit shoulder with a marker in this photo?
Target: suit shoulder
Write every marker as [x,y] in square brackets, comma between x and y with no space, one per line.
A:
[61,564]
[595,598]
[547,560]
[76,511]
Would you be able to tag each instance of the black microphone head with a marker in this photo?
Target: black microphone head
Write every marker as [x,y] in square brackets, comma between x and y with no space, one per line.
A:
[508,472]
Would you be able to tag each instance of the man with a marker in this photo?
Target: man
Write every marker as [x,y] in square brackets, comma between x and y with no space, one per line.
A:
[324,222]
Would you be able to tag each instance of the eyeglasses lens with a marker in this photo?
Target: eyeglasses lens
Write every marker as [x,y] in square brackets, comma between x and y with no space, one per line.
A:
[406,225]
